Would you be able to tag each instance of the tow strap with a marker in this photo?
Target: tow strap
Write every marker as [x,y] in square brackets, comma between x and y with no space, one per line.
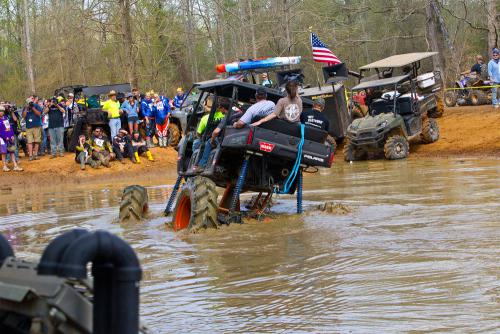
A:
[296,167]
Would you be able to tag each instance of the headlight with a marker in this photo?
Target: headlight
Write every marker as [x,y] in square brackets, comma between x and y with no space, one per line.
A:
[382,124]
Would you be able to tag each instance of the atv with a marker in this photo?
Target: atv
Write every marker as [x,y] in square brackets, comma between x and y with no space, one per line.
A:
[468,91]
[90,115]
[396,114]
[267,159]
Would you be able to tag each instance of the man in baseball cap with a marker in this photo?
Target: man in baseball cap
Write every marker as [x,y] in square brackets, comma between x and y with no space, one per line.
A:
[316,119]
[494,74]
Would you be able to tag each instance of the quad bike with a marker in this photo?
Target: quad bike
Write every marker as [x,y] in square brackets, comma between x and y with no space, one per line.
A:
[468,91]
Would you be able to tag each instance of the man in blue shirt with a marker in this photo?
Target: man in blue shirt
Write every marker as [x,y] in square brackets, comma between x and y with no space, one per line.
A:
[494,74]
[179,98]
[32,114]
[147,110]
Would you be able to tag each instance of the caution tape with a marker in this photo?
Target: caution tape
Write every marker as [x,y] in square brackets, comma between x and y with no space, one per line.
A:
[478,87]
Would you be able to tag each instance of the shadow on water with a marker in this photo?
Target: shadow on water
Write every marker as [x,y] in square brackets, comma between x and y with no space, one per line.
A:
[418,252]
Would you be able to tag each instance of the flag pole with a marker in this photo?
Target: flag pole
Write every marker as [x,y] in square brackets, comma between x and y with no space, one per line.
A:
[314,67]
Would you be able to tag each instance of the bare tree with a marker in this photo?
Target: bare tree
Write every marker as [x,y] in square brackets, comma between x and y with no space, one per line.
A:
[128,42]
[493,24]
[28,48]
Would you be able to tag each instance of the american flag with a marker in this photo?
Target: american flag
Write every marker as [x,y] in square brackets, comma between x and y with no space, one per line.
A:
[321,53]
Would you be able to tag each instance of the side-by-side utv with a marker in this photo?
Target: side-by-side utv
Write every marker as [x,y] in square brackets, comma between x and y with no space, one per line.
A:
[266,159]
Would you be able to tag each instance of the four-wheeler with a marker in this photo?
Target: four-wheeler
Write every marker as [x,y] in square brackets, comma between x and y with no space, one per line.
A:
[266,159]
[90,113]
[468,91]
[396,114]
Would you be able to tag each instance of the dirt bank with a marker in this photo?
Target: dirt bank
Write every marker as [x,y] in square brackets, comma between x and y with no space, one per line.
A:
[47,172]
[465,132]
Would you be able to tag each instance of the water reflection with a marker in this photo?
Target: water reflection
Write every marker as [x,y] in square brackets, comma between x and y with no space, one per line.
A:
[419,252]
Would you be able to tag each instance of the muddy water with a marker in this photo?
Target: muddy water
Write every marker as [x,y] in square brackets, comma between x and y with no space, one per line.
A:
[418,253]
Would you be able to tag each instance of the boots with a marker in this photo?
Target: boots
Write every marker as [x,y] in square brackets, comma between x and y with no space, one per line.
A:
[137,159]
[150,156]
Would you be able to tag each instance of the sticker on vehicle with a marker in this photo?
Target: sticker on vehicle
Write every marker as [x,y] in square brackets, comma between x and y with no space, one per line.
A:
[266,147]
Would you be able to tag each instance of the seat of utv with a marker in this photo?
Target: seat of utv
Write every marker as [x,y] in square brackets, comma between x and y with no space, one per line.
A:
[293,129]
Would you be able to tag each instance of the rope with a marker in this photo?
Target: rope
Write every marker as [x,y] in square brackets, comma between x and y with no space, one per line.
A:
[296,167]
[465,88]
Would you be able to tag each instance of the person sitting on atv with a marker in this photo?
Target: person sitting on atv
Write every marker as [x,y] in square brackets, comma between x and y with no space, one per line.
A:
[288,108]
[83,154]
[202,126]
[259,109]
[122,146]
[101,148]
[211,143]
[316,119]
[478,68]
[140,147]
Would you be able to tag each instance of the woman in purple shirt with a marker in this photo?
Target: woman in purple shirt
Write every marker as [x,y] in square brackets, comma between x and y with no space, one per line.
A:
[7,142]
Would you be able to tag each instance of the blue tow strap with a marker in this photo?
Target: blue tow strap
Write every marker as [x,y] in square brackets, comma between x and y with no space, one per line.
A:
[296,167]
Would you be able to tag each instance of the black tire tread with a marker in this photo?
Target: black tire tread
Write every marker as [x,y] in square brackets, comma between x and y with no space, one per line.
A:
[426,136]
[134,203]
[390,147]
[350,152]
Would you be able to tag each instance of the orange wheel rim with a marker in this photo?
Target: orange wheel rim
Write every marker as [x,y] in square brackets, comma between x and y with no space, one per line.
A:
[183,215]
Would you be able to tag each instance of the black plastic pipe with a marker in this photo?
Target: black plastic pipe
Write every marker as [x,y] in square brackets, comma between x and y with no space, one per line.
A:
[5,249]
[53,253]
[117,274]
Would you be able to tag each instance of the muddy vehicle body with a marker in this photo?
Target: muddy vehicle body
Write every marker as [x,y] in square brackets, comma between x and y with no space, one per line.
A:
[396,114]
[90,114]
[468,91]
[265,159]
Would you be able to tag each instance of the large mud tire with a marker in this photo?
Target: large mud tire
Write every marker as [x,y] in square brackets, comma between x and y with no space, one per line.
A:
[450,98]
[439,110]
[430,131]
[478,97]
[174,135]
[396,147]
[134,203]
[196,205]
[351,153]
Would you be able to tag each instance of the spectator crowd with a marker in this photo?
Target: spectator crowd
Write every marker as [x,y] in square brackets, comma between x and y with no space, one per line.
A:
[39,128]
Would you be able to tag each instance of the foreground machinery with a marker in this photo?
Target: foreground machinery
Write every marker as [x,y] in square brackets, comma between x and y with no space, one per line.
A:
[267,159]
[56,296]
[399,108]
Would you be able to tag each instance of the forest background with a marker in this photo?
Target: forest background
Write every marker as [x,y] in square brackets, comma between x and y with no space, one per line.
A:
[162,44]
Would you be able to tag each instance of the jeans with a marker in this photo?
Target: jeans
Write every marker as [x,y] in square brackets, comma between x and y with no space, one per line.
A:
[56,140]
[494,93]
[43,146]
[128,152]
[151,128]
[16,153]
[206,152]
[115,125]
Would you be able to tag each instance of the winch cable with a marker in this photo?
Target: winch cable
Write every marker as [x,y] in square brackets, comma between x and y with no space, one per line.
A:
[296,167]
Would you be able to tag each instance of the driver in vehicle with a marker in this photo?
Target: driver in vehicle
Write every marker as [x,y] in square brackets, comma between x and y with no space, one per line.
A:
[288,108]
[259,109]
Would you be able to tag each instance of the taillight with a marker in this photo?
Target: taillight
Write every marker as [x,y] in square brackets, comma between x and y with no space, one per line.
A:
[250,137]
[330,161]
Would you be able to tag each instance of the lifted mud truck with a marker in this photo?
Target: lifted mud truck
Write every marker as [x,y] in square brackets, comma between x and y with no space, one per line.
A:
[396,114]
[90,113]
[265,159]
[428,83]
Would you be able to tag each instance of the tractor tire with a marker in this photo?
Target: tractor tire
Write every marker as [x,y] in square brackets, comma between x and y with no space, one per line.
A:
[174,135]
[478,97]
[351,153]
[196,205]
[439,110]
[450,98]
[396,147]
[134,203]
[430,131]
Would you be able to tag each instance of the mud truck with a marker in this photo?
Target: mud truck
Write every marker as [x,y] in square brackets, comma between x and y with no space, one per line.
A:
[267,159]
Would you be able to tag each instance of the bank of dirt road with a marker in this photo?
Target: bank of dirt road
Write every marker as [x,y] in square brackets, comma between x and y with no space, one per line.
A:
[465,132]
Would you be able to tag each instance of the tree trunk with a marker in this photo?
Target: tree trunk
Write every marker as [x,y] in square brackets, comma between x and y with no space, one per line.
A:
[252,28]
[28,48]
[128,42]
[434,38]
[493,25]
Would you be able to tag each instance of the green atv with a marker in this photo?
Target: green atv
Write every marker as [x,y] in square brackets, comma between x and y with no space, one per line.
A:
[396,114]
